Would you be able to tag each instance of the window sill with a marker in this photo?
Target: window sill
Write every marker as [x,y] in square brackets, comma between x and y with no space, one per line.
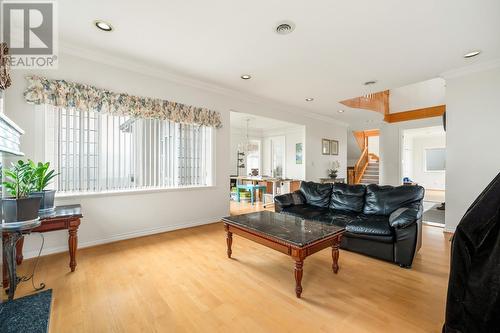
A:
[131,192]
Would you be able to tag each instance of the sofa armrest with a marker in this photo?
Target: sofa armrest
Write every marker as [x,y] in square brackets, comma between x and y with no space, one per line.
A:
[287,200]
[405,216]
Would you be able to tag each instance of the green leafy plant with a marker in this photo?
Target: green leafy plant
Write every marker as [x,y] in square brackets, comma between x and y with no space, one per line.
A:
[43,176]
[20,179]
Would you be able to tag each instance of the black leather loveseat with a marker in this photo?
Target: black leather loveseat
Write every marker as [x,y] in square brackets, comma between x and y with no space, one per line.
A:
[381,221]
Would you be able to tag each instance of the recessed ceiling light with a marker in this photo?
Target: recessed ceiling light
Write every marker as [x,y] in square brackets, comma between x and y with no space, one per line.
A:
[284,27]
[340,111]
[104,26]
[246,77]
[367,83]
[309,99]
[472,54]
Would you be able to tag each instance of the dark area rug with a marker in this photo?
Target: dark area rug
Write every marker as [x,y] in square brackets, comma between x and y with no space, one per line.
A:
[434,215]
[29,314]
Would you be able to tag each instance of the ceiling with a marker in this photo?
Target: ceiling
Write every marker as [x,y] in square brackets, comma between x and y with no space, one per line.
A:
[336,45]
[239,120]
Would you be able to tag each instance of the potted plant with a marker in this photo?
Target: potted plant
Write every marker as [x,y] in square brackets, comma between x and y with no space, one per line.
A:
[42,178]
[332,173]
[19,184]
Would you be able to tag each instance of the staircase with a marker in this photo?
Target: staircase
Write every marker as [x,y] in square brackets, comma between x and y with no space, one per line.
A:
[371,173]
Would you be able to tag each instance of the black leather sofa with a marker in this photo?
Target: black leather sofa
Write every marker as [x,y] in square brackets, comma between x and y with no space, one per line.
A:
[384,222]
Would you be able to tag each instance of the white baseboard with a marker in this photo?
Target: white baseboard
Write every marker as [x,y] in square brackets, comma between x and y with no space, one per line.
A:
[123,236]
[450,230]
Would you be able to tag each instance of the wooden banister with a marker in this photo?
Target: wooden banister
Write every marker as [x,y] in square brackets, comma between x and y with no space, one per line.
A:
[374,157]
[360,166]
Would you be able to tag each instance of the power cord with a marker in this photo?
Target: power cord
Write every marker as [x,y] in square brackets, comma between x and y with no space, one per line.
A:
[31,277]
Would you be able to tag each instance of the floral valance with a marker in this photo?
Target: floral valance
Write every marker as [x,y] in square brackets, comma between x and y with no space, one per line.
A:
[85,97]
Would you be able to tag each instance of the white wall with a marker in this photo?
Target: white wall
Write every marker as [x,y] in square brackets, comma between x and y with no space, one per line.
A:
[317,164]
[434,180]
[373,145]
[472,138]
[292,135]
[109,218]
[414,96]
[391,146]
[418,95]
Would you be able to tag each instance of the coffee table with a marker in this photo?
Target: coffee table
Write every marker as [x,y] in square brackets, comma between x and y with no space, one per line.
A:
[287,234]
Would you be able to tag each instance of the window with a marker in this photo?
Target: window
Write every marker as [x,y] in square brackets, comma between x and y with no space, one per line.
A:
[96,152]
[277,156]
[435,159]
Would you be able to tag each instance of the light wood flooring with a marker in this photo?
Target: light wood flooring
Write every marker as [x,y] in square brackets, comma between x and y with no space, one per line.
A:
[182,281]
[437,196]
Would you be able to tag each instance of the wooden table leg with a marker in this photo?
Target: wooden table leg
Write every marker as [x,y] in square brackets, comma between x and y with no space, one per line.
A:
[335,255]
[299,264]
[229,240]
[5,272]
[19,251]
[72,242]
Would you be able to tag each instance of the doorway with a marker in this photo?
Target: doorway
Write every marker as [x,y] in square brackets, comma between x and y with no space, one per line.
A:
[424,163]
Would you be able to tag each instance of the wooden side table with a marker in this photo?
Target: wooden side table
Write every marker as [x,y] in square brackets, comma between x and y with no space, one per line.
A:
[62,218]
[331,180]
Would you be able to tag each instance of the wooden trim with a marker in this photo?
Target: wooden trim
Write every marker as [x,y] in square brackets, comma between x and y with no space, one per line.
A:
[360,167]
[378,102]
[374,156]
[372,132]
[359,136]
[433,111]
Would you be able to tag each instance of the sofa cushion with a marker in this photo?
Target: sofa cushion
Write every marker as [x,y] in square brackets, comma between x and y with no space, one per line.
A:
[348,197]
[337,217]
[371,225]
[305,211]
[383,200]
[316,194]
[371,248]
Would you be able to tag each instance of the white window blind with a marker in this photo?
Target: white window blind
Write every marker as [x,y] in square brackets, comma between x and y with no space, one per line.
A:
[96,152]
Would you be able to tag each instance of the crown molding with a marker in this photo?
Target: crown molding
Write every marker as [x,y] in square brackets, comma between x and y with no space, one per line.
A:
[163,74]
[470,69]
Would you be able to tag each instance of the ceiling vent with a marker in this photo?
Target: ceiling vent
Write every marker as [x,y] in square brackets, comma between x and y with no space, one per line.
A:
[284,28]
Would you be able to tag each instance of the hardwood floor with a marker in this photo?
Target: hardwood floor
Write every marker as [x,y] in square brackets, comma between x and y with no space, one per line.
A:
[182,281]
[437,196]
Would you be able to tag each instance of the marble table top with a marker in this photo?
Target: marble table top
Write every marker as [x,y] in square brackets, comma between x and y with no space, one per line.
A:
[62,212]
[291,229]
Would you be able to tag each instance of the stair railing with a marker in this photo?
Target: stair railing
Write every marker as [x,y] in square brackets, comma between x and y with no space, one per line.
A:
[374,157]
[360,166]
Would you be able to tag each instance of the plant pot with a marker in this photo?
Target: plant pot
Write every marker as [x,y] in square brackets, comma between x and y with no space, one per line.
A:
[47,200]
[19,210]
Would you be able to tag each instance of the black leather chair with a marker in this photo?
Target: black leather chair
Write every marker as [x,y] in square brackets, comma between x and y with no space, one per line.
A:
[473,303]
[381,221]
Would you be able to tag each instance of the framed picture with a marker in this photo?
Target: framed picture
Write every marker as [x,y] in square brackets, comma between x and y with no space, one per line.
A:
[298,153]
[325,147]
[334,147]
